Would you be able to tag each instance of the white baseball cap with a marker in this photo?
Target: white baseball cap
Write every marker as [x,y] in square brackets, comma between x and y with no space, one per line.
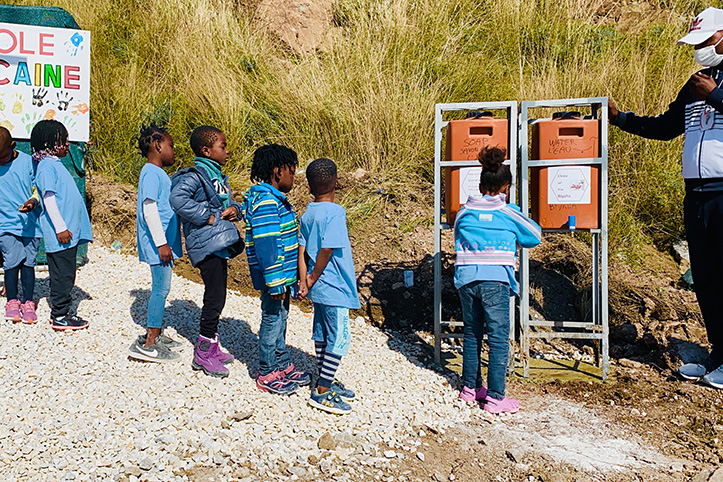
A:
[708,22]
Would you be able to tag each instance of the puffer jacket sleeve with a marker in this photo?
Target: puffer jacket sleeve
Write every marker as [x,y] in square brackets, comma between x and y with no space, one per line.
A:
[181,199]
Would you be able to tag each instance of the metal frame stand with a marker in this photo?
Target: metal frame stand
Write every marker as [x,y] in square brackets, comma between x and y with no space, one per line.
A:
[597,329]
[439,227]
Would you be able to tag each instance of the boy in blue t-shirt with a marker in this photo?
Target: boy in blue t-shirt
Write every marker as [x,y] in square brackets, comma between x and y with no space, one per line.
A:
[158,239]
[64,221]
[19,233]
[329,282]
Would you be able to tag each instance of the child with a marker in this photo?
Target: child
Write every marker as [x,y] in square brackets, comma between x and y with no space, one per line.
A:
[64,221]
[201,197]
[486,234]
[272,250]
[331,284]
[158,239]
[19,232]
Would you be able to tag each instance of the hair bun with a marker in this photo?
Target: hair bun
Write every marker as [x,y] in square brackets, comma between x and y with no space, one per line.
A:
[491,159]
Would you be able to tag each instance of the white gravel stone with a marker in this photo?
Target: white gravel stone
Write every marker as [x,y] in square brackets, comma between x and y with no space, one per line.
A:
[74,404]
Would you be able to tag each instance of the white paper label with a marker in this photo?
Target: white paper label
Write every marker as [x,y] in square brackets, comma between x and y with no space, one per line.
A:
[468,183]
[568,185]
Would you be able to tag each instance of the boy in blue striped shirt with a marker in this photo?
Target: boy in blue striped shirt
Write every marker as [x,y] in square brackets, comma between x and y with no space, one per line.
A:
[272,242]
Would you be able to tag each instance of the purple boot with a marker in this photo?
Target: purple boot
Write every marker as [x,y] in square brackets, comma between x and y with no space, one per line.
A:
[204,358]
[221,355]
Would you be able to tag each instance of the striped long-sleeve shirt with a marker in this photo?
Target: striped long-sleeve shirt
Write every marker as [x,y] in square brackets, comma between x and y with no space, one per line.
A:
[272,239]
[487,232]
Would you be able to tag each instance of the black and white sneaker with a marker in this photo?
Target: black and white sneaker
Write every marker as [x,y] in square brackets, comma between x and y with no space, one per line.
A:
[164,340]
[69,323]
[156,352]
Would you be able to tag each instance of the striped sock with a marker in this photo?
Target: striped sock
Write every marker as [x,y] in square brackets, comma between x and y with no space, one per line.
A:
[320,348]
[328,369]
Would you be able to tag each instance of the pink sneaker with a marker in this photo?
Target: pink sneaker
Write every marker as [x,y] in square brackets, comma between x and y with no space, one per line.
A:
[506,405]
[29,315]
[12,311]
[470,395]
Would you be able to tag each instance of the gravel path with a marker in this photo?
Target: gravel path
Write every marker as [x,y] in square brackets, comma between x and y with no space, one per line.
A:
[74,407]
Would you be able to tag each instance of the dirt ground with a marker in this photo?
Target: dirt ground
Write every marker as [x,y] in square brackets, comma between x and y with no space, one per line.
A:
[655,325]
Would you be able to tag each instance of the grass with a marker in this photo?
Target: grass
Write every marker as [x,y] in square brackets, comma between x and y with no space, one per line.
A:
[365,98]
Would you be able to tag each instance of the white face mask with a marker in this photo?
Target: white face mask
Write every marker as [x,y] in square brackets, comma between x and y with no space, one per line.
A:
[707,56]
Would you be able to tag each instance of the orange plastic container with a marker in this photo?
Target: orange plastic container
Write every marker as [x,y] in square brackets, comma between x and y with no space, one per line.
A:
[556,193]
[465,139]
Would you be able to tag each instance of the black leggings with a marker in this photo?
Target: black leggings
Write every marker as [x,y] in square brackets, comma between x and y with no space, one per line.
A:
[214,272]
[24,273]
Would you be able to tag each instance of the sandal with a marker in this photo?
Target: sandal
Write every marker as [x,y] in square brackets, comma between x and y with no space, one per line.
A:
[506,405]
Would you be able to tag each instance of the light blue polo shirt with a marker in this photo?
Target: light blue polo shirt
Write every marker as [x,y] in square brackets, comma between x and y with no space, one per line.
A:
[52,176]
[323,225]
[154,184]
[16,187]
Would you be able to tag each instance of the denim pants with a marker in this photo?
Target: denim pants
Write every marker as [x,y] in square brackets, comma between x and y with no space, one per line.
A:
[273,354]
[160,287]
[486,309]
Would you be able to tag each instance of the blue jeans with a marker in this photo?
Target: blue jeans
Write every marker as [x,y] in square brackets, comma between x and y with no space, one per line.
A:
[273,354]
[160,287]
[486,308]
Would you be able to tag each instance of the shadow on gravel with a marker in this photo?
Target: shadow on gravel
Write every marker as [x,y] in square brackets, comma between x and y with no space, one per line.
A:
[42,290]
[235,334]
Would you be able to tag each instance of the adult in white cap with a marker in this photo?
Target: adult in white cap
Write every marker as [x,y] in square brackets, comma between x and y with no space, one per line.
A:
[697,112]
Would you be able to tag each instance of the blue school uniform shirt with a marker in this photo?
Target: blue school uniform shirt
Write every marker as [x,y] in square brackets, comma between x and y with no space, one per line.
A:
[52,176]
[154,184]
[323,225]
[16,186]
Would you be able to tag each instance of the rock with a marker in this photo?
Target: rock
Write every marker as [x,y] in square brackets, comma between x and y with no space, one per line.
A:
[218,458]
[301,24]
[241,416]
[313,459]
[326,467]
[701,476]
[327,442]
[397,285]
[717,475]
[359,174]
[133,470]
[145,464]
[627,332]
[515,455]
[297,471]
[681,252]
[390,454]
[650,340]
[627,363]
[344,439]
[420,456]
[439,477]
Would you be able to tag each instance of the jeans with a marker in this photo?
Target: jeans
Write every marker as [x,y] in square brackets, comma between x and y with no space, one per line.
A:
[486,309]
[214,272]
[61,267]
[273,354]
[160,287]
[703,219]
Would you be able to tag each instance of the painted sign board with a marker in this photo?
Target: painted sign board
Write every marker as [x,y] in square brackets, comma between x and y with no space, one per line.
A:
[44,74]
[468,182]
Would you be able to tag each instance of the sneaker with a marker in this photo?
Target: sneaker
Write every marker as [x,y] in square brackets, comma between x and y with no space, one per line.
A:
[222,356]
[204,359]
[69,323]
[345,393]
[275,382]
[695,371]
[12,311]
[473,396]
[297,376]
[156,352]
[329,401]
[715,378]
[168,342]
[29,315]
[506,405]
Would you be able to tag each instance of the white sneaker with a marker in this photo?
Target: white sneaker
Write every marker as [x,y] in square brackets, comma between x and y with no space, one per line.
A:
[692,371]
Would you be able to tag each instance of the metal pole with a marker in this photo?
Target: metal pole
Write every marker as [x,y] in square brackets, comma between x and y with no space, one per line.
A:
[604,236]
[524,195]
[437,235]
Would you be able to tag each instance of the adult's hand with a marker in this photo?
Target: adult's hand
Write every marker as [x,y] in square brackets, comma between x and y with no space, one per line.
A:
[701,85]
[210,220]
[165,253]
[612,109]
